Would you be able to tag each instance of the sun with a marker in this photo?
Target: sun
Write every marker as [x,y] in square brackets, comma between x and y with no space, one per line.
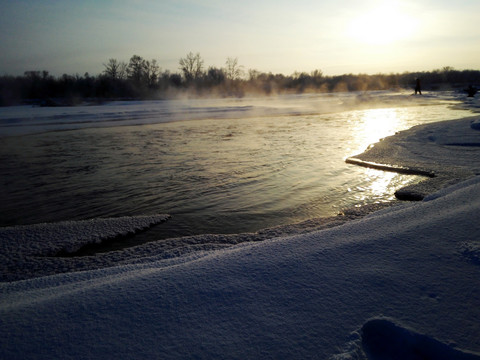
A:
[382,25]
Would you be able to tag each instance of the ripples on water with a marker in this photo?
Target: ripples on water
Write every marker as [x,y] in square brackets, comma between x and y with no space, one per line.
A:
[212,175]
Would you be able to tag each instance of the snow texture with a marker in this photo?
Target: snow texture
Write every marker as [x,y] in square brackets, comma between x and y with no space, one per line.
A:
[44,249]
[25,250]
[383,339]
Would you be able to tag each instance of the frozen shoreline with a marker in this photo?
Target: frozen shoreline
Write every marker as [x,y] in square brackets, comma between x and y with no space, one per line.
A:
[410,273]
[445,152]
[33,251]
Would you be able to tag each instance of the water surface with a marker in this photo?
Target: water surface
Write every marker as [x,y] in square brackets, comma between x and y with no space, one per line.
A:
[234,171]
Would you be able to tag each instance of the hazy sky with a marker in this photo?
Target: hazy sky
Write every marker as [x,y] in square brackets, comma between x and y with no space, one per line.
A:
[335,36]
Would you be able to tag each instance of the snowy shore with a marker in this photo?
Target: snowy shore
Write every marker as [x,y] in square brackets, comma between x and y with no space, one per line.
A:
[446,152]
[400,283]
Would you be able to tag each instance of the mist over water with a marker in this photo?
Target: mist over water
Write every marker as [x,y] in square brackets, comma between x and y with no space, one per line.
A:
[238,166]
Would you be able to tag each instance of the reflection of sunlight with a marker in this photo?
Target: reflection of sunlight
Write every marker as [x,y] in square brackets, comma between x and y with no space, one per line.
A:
[383,184]
[370,126]
[373,125]
[380,182]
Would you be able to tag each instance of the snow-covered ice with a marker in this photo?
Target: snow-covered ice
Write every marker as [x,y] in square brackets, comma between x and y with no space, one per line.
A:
[400,283]
[35,250]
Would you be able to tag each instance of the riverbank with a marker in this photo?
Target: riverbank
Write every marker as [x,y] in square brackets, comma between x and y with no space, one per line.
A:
[445,153]
[33,251]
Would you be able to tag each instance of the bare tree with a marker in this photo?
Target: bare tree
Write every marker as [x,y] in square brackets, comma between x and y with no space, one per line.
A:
[136,69]
[253,74]
[151,73]
[112,68]
[115,69]
[122,70]
[191,66]
[232,70]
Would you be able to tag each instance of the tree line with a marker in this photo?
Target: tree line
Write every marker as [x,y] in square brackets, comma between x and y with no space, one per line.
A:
[140,78]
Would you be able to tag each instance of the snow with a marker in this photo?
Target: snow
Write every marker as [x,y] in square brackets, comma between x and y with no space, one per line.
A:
[400,283]
[43,249]
[27,251]
[383,339]
[69,236]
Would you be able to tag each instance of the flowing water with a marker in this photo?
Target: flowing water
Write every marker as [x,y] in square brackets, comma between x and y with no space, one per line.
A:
[236,168]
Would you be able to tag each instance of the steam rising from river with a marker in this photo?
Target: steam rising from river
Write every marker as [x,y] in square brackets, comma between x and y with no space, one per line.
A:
[21,120]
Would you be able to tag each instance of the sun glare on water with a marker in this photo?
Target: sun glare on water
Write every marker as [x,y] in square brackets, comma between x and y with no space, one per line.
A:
[382,25]
[373,124]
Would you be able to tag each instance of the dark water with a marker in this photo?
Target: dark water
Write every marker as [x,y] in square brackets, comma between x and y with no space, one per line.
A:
[212,175]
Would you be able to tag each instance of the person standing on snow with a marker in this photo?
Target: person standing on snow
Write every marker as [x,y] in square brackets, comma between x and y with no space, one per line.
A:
[418,87]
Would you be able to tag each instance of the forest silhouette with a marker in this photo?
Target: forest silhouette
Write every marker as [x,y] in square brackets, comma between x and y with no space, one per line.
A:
[143,79]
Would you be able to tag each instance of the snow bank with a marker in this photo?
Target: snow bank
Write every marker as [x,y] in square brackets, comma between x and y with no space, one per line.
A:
[304,296]
[45,249]
[447,152]
[26,249]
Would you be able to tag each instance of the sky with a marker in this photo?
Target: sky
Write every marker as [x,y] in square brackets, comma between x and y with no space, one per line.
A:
[279,36]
